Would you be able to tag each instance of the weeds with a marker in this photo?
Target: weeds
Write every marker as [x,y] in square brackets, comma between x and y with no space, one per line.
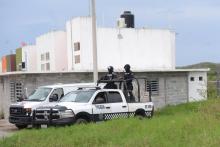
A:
[191,124]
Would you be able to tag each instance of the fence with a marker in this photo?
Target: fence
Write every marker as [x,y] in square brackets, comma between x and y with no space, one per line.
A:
[214,89]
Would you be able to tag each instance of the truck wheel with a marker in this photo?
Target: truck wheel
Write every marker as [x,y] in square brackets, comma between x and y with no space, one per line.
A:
[140,114]
[81,121]
[21,126]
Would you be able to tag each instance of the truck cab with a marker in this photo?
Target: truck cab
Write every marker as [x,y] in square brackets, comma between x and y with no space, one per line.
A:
[21,113]
[91,105]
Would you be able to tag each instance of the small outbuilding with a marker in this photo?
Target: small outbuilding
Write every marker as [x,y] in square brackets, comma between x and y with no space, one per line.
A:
[168,87]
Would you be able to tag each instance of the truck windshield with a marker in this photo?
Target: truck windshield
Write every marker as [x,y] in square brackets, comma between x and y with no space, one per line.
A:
[78,96]
[39,94]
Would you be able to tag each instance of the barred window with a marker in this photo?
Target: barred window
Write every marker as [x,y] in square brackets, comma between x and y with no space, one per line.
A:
[153,86]
[16,91]
[12,92]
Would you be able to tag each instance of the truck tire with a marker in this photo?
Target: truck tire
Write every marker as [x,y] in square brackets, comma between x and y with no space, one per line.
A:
[81,121]
[21,126]
[140,114]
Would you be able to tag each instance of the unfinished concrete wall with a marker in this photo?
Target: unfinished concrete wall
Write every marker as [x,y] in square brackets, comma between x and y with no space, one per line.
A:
[172,86]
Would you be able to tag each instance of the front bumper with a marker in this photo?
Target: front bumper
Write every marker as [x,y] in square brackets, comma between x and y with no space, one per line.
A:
[55,122]
[26,120]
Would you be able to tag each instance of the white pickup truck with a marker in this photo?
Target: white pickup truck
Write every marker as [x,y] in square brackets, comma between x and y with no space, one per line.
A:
[21,113]
[91,105]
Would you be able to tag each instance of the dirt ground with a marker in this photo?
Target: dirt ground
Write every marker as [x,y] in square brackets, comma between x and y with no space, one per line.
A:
[6,128]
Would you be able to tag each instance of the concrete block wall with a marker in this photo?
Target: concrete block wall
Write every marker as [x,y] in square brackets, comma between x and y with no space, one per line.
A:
[173,87]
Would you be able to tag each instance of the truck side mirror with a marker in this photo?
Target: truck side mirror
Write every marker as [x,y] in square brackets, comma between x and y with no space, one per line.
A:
[53,98]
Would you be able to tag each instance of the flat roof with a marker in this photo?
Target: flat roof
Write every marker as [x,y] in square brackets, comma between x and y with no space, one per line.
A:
[89,71]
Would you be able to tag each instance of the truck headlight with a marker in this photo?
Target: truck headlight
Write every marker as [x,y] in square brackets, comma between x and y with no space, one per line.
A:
[66,114]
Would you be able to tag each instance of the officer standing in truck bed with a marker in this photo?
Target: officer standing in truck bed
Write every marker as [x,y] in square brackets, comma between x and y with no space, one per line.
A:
[110,76]
[128,77]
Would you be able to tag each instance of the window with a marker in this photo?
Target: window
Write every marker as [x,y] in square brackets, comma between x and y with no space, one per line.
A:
[78,96]
[192,79]
[114,97]
[12,91]
[76,46]
[39,94]
[200,78]
[42,67]
[47,56]
[100,98]
[47,66]
[16,91]
[153,86]
[59,93]
[42,57]
[77,59]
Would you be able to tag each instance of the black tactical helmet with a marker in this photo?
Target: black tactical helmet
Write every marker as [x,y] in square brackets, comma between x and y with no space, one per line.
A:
[127,67]
[110,69]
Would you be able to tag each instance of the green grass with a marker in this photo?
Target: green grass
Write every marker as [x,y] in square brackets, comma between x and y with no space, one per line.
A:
[185,125]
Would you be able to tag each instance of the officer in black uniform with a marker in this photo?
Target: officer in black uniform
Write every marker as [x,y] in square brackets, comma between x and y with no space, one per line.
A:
[128,77]
[110,76]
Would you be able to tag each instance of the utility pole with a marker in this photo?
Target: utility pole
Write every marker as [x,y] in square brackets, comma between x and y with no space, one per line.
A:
[94,42]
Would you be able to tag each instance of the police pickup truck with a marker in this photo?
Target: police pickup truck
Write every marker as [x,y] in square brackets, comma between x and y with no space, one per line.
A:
[21,113]
[91,105]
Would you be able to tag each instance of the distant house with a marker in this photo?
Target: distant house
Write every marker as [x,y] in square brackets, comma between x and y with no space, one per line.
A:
[142,48]
[26,58]
[0,66]
[9,63]
[4,64]
[52,52]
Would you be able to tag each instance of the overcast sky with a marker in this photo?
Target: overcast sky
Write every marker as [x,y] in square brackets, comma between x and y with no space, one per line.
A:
[196,22]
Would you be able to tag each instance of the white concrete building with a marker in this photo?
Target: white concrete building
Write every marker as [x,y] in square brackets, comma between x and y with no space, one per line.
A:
[143,49]
[52,51]
[29,57]
[197,85]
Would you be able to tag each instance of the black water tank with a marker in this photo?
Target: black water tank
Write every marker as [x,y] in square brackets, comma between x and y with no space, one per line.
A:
[129,19]
[23,65]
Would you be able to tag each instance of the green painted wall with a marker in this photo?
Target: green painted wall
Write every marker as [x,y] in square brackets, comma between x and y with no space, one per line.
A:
[18,58]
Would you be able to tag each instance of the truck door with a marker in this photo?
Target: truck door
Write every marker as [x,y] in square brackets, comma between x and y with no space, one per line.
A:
[100,107]
[119,109]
